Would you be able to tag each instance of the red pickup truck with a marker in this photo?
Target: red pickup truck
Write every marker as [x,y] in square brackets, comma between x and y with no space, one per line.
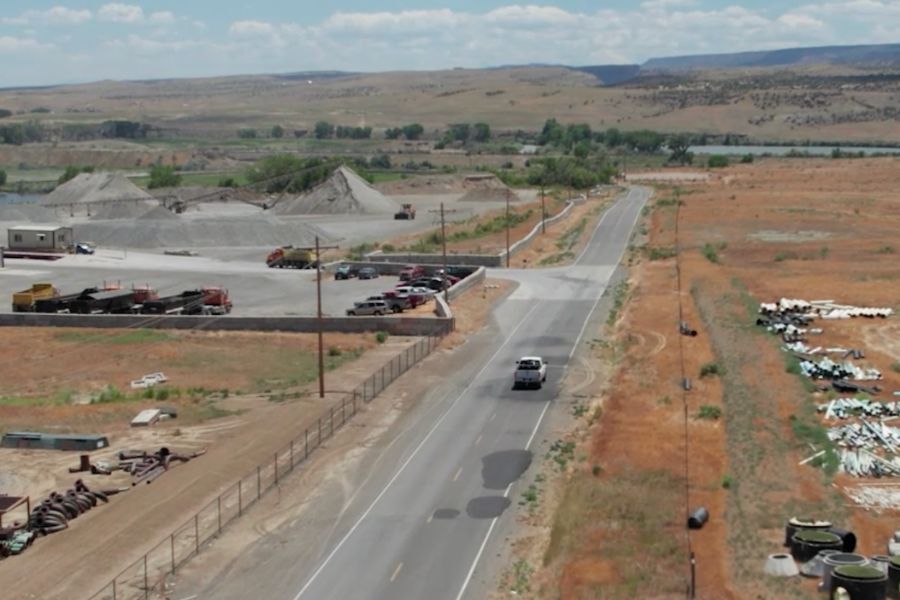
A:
[411,272]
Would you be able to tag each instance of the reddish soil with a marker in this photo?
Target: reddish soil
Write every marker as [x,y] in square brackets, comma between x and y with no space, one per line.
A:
[779,228]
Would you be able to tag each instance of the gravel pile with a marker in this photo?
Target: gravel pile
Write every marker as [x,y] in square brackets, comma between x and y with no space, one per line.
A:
[344,192]
[489,195]
[95,187]
[130,209]
[160,213]
[201,232]
[26,213]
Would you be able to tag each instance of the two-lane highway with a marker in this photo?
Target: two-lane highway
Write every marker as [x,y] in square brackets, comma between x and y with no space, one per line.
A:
[425,532]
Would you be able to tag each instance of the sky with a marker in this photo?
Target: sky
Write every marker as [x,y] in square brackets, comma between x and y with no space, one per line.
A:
[46,43]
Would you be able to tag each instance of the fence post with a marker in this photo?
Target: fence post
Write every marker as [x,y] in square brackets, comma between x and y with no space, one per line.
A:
[258,483]
[276,468]
[320,431]
[114,589]
[172,544]
[383,385]
[146,579]
[306,443]
[240,498]
[197,533]
[292,455]
[219,512]
[344,410]
[332,422]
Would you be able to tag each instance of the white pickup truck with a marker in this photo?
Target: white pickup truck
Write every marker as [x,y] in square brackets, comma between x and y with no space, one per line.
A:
[531,371]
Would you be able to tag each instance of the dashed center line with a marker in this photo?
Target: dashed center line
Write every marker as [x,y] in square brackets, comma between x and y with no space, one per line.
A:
[478,441]
[396,571]
[493,416]
[455,477]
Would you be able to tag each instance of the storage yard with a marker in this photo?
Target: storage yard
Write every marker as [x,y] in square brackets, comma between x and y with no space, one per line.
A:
[777,419]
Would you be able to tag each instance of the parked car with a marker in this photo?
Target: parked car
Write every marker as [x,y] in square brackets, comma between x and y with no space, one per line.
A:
[397,303]
[346,272]
[415,296]
[81,248]
[367,308]
[367,273]
[410,272]
[412,301]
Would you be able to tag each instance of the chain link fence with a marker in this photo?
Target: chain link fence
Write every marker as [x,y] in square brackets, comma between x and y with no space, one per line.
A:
[149,573]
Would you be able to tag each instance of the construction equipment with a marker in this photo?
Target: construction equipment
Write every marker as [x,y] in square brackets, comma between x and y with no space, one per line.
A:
[186,303]
[24,301]
[288,257]
[216,301]
[405,213]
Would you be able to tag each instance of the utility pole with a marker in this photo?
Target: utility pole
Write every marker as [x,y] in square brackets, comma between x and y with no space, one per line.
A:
[318,266]
[444,244]
[543,213]
[507,227]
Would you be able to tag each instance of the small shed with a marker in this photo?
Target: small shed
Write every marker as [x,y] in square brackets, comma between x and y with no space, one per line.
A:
[147,417]
[40,237]
[29,440]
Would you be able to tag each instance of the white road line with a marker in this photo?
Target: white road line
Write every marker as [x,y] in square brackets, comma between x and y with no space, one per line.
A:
[490,530]
[396,476]
[478,441]
[396,571]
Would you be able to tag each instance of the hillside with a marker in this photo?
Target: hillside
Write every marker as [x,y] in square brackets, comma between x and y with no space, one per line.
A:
[880,54]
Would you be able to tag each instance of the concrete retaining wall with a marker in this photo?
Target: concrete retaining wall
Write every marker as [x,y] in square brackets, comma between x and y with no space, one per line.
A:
[475,279]
[394,268]
[400,326]
[482,260]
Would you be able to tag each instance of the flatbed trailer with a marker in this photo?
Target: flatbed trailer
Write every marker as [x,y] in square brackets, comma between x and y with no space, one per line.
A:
[186,303]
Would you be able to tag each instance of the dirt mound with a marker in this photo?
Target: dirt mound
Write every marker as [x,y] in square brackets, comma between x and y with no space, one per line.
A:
[160,213]
[163,232]
[23,212]
[439,184]
[344,192]
[95,187]
[129,209]
[490,195]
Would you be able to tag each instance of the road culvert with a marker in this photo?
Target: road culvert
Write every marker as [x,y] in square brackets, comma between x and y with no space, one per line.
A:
[805,545]
[860,582]
[842,559]
[796,524]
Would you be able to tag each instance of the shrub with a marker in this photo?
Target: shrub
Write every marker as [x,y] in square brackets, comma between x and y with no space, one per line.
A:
[381,337]
[718,161]
[334,351]
[710,413]
[711,370]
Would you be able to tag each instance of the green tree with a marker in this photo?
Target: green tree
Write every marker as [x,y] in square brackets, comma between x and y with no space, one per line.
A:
[613,138]
[460,132]
[678,145]
[72,172]
[163,177]
[247,134]
[644,141]
[380,161]
[393,133]
[324,130]
[413,131]
[581,151]
[482,132]
[2,177]
[278,132]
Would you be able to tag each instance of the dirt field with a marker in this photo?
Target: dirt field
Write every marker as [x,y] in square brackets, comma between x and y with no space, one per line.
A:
[733,442]
[141,518]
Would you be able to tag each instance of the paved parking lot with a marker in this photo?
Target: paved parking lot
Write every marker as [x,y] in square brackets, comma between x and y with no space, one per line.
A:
[255,289]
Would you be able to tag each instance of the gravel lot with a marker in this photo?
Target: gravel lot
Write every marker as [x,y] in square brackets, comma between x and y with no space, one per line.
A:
[255,289]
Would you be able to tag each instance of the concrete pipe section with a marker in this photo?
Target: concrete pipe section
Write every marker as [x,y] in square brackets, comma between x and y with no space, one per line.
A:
[781,565]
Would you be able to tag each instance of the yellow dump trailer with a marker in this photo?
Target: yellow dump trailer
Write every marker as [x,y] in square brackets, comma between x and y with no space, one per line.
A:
[24,301]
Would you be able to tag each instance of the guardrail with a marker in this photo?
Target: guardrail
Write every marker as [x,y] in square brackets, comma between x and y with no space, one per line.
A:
[148,574]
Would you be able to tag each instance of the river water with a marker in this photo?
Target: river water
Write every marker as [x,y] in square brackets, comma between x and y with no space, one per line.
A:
[782,150]
[12,198]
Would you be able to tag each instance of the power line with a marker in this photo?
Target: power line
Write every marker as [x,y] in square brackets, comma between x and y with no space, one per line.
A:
[442,212]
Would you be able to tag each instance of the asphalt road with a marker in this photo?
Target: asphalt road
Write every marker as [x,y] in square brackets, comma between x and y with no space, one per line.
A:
[421,521]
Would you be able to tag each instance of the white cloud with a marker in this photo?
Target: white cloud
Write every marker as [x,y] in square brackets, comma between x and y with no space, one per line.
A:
[162,17]
[444,38]
[120,13]
[13,45]
[57,14]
